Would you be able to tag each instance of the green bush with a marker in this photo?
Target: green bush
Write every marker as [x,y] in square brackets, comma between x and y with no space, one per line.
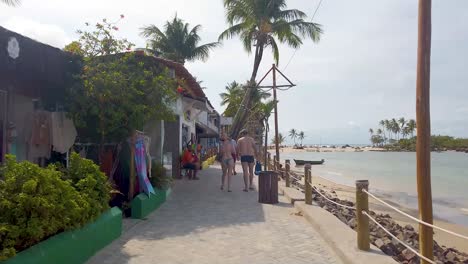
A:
[92,184]
[36,203]
[159,179]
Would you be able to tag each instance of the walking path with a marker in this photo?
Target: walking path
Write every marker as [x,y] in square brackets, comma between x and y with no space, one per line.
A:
[202,224]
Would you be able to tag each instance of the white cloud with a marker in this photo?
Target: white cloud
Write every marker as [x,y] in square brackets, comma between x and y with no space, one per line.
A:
[46,33]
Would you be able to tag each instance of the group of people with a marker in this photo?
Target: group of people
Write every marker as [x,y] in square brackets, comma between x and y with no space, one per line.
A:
[229,151]
[190,160]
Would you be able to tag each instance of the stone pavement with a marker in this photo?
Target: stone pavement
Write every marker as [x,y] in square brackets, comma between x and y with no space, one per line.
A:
[202,224]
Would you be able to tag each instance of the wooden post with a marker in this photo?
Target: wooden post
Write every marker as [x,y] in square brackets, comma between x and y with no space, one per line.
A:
[276,113]
[308,187]
[269,161]
[274,163]
[288,169]
[362,204]
[423,121]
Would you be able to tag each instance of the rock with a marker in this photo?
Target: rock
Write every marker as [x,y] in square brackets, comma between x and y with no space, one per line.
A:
[407,254]
[379,243]
[451,256]
[409,227]
[352,223]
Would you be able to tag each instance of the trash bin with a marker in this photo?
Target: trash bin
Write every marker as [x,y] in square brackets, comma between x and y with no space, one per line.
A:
[268,187]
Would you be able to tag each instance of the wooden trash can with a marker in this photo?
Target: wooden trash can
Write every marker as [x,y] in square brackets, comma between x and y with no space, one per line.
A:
[268,187]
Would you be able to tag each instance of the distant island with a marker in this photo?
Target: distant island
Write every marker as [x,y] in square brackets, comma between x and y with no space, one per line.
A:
[398,135]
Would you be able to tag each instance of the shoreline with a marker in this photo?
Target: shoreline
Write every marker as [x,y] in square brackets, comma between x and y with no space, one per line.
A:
[345,192]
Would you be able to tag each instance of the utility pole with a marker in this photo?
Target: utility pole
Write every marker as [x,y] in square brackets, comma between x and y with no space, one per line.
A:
[276,113]
[423,121]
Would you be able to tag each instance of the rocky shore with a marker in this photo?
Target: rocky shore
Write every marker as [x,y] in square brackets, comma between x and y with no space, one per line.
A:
[384,241]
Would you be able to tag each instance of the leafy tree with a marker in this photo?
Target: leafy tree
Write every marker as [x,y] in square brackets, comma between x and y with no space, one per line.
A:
[177,42]
[262,24]
[293,135]
[119,92]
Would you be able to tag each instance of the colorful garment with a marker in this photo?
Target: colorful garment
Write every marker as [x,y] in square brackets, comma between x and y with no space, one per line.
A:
[140,164]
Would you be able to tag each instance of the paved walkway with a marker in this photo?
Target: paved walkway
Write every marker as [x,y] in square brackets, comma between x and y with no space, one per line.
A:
[201,224]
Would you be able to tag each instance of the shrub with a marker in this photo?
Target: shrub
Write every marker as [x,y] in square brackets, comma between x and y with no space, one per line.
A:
[36,203]
[159,179]
[92,184]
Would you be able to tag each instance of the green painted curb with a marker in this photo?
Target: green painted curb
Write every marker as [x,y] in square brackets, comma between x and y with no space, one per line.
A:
[76,246]
[142,205]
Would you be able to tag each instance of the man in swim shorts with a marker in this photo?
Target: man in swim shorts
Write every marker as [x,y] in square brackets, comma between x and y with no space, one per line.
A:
[247,150]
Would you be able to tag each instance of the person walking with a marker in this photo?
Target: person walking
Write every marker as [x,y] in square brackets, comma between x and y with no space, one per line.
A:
[234,155]
[227,162]
[247,150]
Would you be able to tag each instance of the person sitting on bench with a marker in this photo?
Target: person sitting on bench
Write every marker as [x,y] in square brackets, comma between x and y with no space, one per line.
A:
[189,163]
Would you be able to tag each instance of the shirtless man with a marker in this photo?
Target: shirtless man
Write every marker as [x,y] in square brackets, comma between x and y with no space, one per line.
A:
[226,152]
[247,151]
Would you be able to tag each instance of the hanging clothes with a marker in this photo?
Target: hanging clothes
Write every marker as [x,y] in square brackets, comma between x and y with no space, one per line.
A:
[141,168]
[38,139]
[63,132]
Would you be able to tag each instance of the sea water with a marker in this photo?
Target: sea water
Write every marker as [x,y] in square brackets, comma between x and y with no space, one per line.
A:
[393,176]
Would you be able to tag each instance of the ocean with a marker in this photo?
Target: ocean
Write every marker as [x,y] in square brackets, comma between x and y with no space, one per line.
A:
[393,176]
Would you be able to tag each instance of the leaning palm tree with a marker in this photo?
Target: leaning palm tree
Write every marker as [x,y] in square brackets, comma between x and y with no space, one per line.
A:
[11,2]
[176,42]
[262,24]
[382,124]
[293,135]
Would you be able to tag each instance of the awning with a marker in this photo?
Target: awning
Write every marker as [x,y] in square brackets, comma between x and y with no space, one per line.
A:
[208,132]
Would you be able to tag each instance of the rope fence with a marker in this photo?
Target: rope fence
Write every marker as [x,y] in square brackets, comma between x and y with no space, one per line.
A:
[414,218]
[397,239]
[331,201]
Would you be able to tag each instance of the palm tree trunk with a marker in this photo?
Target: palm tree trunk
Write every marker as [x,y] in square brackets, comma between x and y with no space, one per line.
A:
[241,114]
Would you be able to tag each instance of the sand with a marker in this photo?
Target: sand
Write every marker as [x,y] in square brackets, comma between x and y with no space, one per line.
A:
[289,149]
[348,193]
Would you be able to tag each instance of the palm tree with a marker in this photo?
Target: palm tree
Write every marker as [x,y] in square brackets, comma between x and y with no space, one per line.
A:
[388,127]
[11,2]
[411,127]
[402,123]
[301,136]
[371,131]
[177,42]
[395,128]
[281,139]
[232,98]
[266,110]
[293,135]
[262,24]
[382,124]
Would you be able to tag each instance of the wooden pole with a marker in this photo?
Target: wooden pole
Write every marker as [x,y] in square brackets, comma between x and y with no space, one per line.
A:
[276,113]
[288,169]
[423,121]
[266,148]
[275,168]
[362,204]
[308,187]
[269,161]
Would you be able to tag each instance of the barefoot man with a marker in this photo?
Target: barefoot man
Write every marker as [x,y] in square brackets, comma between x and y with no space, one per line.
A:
[247,151]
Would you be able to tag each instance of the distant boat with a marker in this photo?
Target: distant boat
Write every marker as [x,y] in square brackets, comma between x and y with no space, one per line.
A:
[311,162]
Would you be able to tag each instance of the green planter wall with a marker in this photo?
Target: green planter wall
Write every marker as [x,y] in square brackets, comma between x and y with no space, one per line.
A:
[142,205]
[76,246]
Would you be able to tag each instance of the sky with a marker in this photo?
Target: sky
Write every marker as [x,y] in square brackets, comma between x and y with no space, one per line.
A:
[363,69]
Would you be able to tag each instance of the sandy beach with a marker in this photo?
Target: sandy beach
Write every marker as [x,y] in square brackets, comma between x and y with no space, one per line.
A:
[289,149]
[348,193]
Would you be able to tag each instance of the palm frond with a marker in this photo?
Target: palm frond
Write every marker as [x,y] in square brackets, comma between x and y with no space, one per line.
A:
[202,52]
[275,49]
[11,2]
